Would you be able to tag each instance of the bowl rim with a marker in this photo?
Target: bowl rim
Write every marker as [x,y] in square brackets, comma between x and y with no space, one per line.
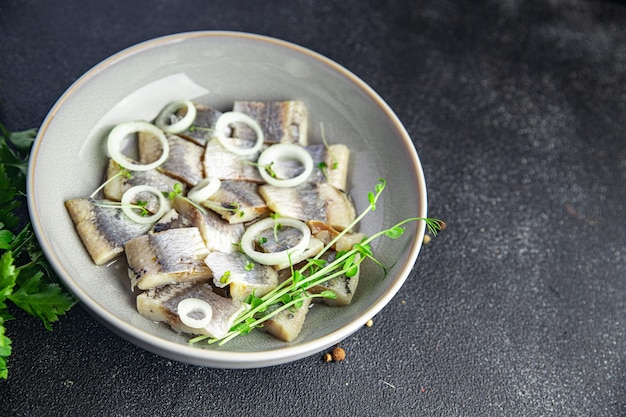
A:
[193,354]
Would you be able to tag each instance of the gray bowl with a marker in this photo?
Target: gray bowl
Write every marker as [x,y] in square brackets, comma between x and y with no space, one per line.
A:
[68,161]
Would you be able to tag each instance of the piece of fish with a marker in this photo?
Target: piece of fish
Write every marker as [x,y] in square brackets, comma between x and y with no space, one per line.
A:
[161,304]
[343,286]
[287,324]
[171,220]
[167,257]
[238,201]
[115,188]
[308,201]
[184,162]
[242,276]
[280,121]
[220,163]
[218,234]
[331,165]
[288,237]
[326,233]
[202,128]
[103,230]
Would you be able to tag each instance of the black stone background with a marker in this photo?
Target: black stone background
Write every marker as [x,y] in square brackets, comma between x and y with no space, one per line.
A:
[517,110]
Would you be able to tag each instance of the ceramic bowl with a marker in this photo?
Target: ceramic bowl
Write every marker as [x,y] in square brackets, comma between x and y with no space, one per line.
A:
[68,161]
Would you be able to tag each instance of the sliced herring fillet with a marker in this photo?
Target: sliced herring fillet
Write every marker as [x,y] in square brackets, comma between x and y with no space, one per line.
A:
[103,230]
[238,201]
[202,128]
[326,233]
[288,237]
[287,324]
[235,271]
[161,304]
[335,160]
[280,121]
[167,257]
[114,189]
[218,234]
[307,202]
[343,286]
[220,163]
[184,162]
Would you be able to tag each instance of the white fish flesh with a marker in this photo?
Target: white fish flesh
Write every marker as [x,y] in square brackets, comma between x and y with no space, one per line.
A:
[287,324]
[167,257]
[161,304]
[326,233]
[280,121]
[343,286]
[103,230]
[202,128]
[184,162]
[115,188]
[218,234]
[238,202]
[285,238]
[220,163]
[242,277]
[308,201]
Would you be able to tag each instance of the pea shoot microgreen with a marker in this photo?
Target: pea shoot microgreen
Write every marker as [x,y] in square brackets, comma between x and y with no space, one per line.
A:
[292,292]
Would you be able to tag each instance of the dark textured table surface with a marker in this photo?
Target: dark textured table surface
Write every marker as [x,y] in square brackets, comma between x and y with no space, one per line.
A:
[518,112]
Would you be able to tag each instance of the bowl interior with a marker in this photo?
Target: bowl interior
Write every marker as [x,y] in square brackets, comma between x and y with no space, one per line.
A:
[216,68]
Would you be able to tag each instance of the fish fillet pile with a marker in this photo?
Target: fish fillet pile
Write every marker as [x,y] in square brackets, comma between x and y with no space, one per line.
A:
[193,251]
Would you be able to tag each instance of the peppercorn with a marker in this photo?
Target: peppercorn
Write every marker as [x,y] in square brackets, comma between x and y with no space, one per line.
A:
[338,354]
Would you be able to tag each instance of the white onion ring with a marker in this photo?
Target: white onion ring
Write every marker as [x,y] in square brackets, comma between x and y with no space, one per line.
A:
[204,189]
[127,201]
[274,258]
[119,132]
[235,117]
[190,305]
[181,125]
[285,151]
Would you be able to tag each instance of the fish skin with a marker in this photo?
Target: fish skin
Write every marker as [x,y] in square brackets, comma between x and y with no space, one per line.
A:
[334,158]
[288,237]
[114,189]
[161,304]
[326,233]
[287,324]
[218,234]
[206,117]
[218,162]
[308,202]
[242,281]
[344,287]
[280,121]
[103,230]
[238,202]
[184,162]
[167,257]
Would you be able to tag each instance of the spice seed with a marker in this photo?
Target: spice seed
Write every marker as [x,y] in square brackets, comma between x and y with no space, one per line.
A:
[338,354]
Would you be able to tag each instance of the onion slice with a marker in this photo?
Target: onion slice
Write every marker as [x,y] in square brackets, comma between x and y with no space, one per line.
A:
[129,196]
[119,132]
[221,126]
[204,189]
[194,312]
[285,151]
[274,258]
[163,119]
